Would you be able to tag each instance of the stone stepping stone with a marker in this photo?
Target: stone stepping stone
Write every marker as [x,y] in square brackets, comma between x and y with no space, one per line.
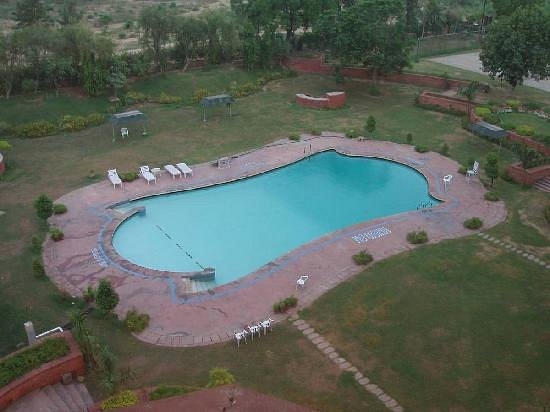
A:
[318,340]
[508,247]
[298,322]
[338,361]
[323,345]
[333,355]
[313,335]
[363,381]
[547,266]
[328,350]
[345,365]
[542,263]
[397,408]
[384,397]
[294,317]
[352,369]
[492,239]
[308,331]
[303,326]
[391,403]
[358,375]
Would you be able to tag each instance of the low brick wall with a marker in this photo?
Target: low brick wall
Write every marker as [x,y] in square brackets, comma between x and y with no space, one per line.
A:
[540,147]
[2,164]
[318,65]
[527,176]
[447,102]
[332,100]
[48,374]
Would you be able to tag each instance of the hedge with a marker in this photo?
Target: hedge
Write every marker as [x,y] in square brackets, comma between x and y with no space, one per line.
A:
[15,366]
[120,400]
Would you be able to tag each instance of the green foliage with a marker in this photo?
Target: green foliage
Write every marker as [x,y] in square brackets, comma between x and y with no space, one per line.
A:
[39,128]
[245,89]
[473,223]
[95,119]
[106,297]
[547,212]
[59,208]
[417,237]
[56,234]
[199,94]
[294,137]
[491,196]
[285,304]
[128,176]
[166,391]
[409,138]
[315,132]
[133,97]
[470,91]
[421,149]
[352,134]
[4,145]
[482,111]
[525,130]
[167,99]
[491,166]
[513,104]
[89,294]
[43,206]
[5,128]
[532,105]
[373,90]
[462,170]
[120,400]
[362,258]
[36,244]
[219,377]
[136,322]
[509,126]
[38,268]
[25,361]
[444,149]
[370,125]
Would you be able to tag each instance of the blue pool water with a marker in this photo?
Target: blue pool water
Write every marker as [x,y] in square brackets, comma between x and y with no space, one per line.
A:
[239,227]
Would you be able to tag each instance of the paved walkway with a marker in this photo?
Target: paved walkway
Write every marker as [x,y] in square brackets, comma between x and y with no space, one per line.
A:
[178,319]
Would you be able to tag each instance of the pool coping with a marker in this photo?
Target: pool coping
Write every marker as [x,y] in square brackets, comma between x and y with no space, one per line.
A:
[69,264]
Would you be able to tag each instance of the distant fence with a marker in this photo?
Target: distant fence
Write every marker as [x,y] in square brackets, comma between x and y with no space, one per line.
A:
[446,43]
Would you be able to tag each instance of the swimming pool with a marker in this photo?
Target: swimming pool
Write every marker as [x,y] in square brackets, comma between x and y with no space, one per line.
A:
[239,227]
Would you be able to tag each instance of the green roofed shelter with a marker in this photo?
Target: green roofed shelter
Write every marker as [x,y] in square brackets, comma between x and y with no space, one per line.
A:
[210,101]
[118,119]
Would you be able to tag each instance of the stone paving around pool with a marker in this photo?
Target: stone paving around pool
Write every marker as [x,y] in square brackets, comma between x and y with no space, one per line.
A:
[182,319]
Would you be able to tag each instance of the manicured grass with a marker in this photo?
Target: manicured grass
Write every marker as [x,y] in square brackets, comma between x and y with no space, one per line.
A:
[541,126]
[459,325]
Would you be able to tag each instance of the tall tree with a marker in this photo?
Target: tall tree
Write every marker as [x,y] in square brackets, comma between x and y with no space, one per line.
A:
[507,7]
[156,24]
[29,12]
[190,37]
[11,60]
[518,46]
[69,13]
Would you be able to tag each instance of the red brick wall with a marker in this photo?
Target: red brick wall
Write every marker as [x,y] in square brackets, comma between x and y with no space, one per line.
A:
[48,374]
[327,101]
[447,102]
[527,176]
[336,100]
[513,136]
[317,65]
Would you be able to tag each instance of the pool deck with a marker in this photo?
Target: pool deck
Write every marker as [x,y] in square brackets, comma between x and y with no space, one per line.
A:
[182,319]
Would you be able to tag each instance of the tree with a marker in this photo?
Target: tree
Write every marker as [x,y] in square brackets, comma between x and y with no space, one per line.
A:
[106,297]
[117,76]
[220,376]
[370,126]
[11,60]
[69,14]
[518,46]
[157,24]
[491,166]
[30,12]
[44,206]
[190,37]
[507,7]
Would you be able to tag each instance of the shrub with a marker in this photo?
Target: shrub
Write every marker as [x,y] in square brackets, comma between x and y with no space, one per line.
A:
[462,170]
[39,128]
[513,103]
[473,223]
[56,234]
[547,212]
[491,196]
[72,123]
[525,130]
[352,134]
[167,99]
[29,85]
[25,361]
[44,206]
[38,268]
[421,149]
[95,119]
[120,400]
[417,237]
[5,128]
[362,258]
[284,304]
[165,391]
[492,118]
[136,322]
[198,95]
[373,90]
[219,377]
[370,125]
[106,297]
[36,244]
[129,176]
[509,126]
[59,209]
[482,111]
[294,137]
[409,138]
[533,105]
[135,97]
[444,150]
[89,294]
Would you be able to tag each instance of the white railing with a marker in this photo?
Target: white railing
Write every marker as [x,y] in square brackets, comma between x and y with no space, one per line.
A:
[49,332]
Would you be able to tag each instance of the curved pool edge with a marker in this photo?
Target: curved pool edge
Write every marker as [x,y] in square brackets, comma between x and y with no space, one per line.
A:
[207,319]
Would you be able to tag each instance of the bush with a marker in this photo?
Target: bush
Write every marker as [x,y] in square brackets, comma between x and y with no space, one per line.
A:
[525,130]
[492,118]
[136,322]
[38,268]
[417,237]
[59,209]
[373,90]
[362,258]
[482,111]
[421,149]
[95,119]
[129,176]
[532,106]
[219,377]
[5,128]
[72,123]
[514,104]
[165,391]
[245,89]
[89,294]
[25,361]
[135,97]
[444,150]
[294,137]
[491,196]
[547,212]
[44,206]
[409,138]
[462,170]
[120,400]
[167,99]
[473,223]
[509,126]
[352,134]
[36,244]
[285,304]
[39,128]
[106,297]
[198,95]
[56,234]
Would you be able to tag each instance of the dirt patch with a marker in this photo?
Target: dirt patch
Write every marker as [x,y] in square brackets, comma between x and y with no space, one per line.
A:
[439,332]
[488,252]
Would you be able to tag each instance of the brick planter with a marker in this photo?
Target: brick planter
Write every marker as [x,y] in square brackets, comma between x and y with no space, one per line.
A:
[48,374]
[332,100]
[527,176]
[538,146]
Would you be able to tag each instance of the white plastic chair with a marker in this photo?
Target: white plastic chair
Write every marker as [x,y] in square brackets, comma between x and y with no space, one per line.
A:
[268,323]
[240,336]
[473,172]
[254,329]
[447,179]
[302,281]
[124,132]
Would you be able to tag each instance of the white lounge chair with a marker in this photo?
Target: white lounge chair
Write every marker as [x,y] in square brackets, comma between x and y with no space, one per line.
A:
[302,281]
[185,169]
[473,172]
[113,177]
[147,175]
[173,171]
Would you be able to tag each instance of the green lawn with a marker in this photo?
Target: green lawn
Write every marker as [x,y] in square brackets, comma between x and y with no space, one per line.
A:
[437,278]
[541,126]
